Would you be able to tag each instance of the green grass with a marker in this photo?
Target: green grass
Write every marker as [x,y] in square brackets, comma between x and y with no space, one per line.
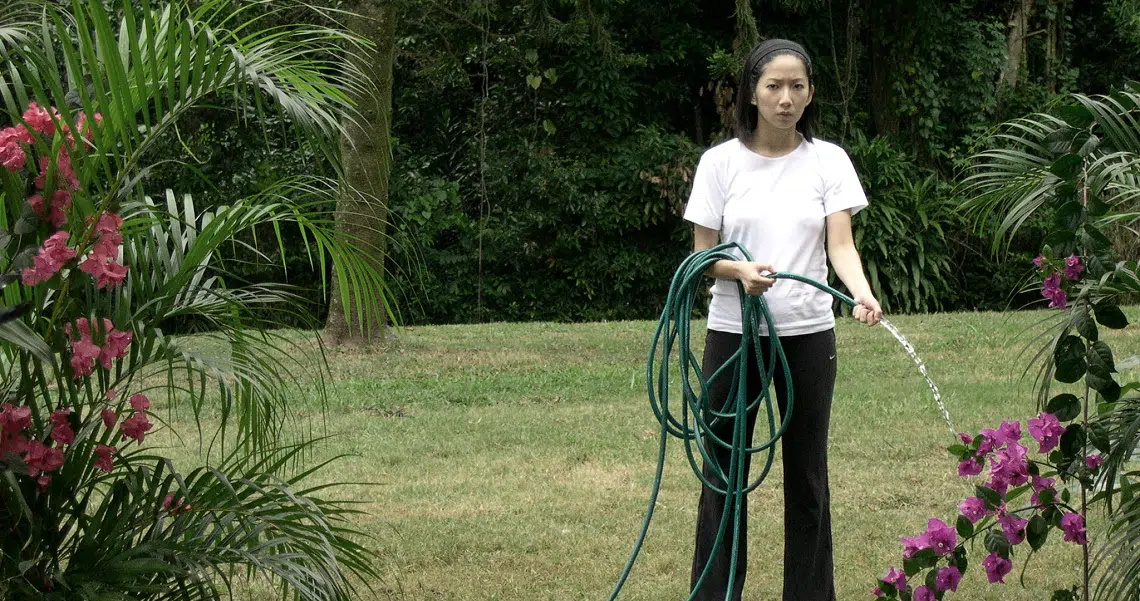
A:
[514,461]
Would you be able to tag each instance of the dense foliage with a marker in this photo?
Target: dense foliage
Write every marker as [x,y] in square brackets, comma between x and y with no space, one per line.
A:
[542,149]
[95,274]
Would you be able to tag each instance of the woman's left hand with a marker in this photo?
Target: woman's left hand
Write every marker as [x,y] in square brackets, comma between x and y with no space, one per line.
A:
[867,310]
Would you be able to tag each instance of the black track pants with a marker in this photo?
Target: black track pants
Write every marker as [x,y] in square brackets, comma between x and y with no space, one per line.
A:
[808,565]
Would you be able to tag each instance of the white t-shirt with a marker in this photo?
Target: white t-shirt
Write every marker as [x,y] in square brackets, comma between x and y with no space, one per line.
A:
[775,208]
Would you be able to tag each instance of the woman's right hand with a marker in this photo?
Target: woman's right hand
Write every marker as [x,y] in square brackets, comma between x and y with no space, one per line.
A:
[751,276]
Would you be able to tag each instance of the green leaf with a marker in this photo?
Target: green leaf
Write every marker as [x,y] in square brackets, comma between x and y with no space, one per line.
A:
[1066,407]
[1076,116]
[19,334]
[1069,358]
[1037,532]
[551,74]
[534,81]
[1073,440]
[964,527]
[958,450]
[1110,316]
[921,560]
[1070,216]
[548,125]
[1094,238]
[1066,496]
[1107,387]
[1060,237]
[532,55]
[988,496]
[1097,207]
[1082,320]
[1068,166]
[996,542]
[1100,359]
[1098,436]
[960,559]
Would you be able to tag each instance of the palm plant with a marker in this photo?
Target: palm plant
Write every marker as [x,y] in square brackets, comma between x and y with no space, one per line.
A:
[97,268]
[1080,168]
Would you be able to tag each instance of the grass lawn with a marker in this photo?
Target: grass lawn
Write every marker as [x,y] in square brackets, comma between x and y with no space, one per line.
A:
[514,461]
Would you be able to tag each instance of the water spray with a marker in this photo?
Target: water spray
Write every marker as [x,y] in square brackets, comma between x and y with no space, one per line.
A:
[697,421]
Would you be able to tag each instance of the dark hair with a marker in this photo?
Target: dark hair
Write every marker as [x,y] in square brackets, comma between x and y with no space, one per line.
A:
[747,117]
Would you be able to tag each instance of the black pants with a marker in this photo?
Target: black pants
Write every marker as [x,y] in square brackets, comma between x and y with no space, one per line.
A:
[808,564]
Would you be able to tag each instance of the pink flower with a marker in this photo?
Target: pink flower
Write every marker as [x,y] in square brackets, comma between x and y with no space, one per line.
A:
[970,467]
[1040,485]
[911,546]
[947,579]
[83,355]
[167,501]
[114,345]
[109,418]
[923,593]
[1094,461]
[44,482]
[996,568]
[1039,261]
[102,262]
[1010,465]
[1074,526]
[103,457]
[896,578]
[136,427]
[998,484]
[140,403]
[1046,429]
[109,229]
[49,261]
[60,203]
[942,537]
[85,128]
[973,509]
[104,268]
[61,431]
[988,443]
[41,458]
[65,177]
[40,120]
[965,438]
[1073,268]
[877,591]
[1013,527]
[12,154]
[1052,291]
[14,419]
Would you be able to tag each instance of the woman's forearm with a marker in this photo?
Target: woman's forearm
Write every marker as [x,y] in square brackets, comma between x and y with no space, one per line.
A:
[845,260]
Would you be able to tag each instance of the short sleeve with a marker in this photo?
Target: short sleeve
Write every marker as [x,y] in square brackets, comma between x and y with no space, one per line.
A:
[844,191]
[706,201]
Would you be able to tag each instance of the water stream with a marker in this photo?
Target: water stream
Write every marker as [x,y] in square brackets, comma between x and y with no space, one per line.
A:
[922,368]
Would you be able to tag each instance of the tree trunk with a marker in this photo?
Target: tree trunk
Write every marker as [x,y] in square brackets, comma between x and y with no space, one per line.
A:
[362,209]
[1018,32]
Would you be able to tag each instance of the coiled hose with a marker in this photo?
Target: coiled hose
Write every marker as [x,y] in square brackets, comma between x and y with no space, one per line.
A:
[698,420]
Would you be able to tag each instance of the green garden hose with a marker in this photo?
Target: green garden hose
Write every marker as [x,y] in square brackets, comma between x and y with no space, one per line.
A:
[698,420]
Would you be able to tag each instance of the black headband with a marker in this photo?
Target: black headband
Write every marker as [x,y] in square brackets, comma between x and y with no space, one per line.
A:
[775,46]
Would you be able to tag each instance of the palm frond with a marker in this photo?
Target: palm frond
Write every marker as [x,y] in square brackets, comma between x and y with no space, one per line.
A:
[236,522]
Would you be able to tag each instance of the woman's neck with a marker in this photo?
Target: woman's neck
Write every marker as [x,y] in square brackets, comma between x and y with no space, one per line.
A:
[772,142]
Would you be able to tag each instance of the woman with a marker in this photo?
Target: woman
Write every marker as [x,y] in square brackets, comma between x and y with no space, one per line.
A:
[784,196]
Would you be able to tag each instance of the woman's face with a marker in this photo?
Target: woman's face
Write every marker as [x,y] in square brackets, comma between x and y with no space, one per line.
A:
[782,92]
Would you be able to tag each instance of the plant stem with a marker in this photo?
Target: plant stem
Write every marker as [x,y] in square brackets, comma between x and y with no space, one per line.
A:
[1084,499]
[1085,446]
